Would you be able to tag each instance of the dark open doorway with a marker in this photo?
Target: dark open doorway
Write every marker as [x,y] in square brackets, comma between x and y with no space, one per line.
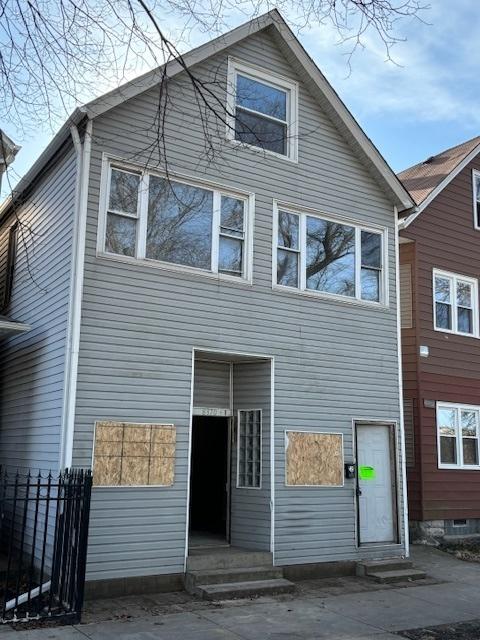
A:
[209,486]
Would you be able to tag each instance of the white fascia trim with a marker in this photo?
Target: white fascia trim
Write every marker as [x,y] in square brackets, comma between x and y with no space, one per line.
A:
[76,291]
[400,396]
[453,174]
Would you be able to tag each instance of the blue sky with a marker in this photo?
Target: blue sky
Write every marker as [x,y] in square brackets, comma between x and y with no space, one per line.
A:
[425,102]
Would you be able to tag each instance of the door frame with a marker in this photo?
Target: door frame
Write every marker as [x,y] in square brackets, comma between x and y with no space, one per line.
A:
[226,356]
[395,481]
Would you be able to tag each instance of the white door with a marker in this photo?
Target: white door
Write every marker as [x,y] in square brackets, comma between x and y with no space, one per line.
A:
[375,499]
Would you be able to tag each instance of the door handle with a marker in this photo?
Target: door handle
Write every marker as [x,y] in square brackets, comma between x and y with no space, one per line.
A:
[359,491]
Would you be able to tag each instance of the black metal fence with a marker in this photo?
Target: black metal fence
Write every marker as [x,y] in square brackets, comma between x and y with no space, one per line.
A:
[43,544]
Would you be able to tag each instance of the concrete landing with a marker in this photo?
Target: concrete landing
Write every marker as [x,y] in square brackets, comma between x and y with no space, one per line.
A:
[389,571]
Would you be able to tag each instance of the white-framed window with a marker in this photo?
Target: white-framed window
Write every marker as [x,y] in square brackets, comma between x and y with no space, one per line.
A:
[314,253]
[458,434]
[476,198]
[455,301]
[249,449]
[177,223]
[262,110]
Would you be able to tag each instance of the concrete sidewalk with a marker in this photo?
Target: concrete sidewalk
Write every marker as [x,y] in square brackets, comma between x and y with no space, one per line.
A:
[340,609]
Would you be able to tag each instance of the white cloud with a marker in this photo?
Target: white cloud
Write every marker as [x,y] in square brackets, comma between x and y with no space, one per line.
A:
[435,77]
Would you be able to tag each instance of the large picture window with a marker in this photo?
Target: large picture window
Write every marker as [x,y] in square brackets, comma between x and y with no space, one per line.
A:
[173,222]
[262,110]
[458,436]
[455,303]
[317,254]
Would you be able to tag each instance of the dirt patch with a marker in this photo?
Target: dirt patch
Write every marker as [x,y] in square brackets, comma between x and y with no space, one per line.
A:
[458,631]
[468,550]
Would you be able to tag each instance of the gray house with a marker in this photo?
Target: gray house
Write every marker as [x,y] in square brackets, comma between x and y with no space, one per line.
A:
[212,298]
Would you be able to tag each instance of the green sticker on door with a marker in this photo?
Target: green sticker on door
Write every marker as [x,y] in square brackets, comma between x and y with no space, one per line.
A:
[367,473]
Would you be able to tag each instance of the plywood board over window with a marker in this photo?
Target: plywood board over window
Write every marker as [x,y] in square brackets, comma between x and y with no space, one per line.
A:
[314,459]
[130,454]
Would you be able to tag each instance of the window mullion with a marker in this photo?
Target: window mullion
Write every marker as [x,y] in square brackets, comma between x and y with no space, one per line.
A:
[358,264]
[458,431]
[215,230]
[453,300]
[302,245]
[142,216]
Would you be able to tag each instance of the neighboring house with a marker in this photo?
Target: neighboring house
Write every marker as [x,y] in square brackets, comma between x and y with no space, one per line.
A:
[219,344]
[8,151]
[440,268]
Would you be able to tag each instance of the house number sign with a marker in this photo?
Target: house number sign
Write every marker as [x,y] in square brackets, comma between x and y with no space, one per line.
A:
[214,412]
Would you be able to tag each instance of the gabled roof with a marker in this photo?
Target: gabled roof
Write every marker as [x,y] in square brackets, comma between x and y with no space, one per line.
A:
[427,179]
[318,85]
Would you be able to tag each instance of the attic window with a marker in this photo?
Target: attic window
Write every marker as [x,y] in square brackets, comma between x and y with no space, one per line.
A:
[476,198]
[262,110]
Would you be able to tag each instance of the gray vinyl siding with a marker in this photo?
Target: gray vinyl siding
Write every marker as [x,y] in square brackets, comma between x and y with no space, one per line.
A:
[334,361]
[250,508]
[212,385]
[32,365]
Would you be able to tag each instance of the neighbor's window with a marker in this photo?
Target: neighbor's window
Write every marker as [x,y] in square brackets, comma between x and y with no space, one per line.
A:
[458,435]
[174,222]
[263,110]
[476,198]
[8,254]
[316,254]
[249,449]
[456,303]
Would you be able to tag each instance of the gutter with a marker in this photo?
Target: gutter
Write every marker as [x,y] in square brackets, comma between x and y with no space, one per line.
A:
[77,116]
[76,290]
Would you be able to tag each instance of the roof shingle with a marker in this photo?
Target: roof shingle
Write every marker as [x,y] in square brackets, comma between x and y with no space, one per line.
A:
[421,179]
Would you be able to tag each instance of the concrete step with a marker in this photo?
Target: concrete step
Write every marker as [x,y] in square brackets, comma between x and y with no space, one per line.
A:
[364,568]
[240,574]
[228,559]
[398,575]
[247,589]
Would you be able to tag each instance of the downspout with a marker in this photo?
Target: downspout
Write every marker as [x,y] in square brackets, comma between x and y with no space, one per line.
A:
[83,152]
[400,388]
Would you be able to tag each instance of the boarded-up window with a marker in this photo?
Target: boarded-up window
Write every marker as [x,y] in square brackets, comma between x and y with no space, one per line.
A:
[406,302]
[129,454]
[408,421]
[314,459]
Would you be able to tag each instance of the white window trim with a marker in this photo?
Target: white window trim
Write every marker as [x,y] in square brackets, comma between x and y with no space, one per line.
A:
[475,177]
[458,437]
[237,484]
[475,303]
[109,161]
[286,84]
[383,303]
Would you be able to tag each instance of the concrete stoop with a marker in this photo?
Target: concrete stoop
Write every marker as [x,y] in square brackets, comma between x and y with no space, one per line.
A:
[388,571]
[225,576]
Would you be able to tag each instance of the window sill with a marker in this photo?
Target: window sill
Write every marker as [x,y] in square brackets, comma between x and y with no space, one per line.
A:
[457,467]
[331,297]
[175,268]
[293,157]
[457,333]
